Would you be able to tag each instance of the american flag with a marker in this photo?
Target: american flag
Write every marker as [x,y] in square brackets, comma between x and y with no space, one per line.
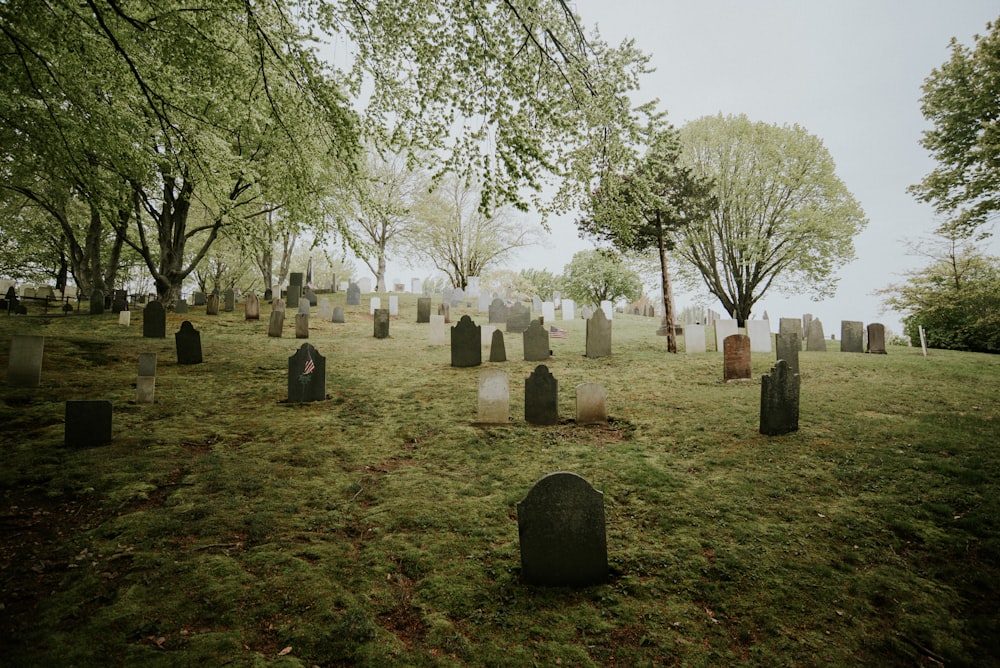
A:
[310,366]
[557,333]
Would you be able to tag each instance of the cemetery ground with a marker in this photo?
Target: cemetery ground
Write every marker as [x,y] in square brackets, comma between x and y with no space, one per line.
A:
[225,526]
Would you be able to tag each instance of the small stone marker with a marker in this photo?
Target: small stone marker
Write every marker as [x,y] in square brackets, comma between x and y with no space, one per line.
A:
[199,299]
[338,314]
[188,341]
[154,321]
[494,397]
[518,318]
[124,318]
[598,335]
[88,423]
[24,366]
[374,304]
[466,350]
[787,347]
[591,404]
[96,302]
[852,336]
[815,340]
[723,330]
[498,352]
[302,322]
[759,332]
[736,357]
[437,335]
[325,311]
[498,311]
[424,309]
[181,306]
[694,339]
[876,338]
[306,375]
[278,304]
[561,530]
[303,307]
[536,342]
[251,307]
[779,400]
[145,385]
[568,309]
[212,305]
[541,397]
[381,320]
[276,323]
[353,295]
[229,301]
[548,312]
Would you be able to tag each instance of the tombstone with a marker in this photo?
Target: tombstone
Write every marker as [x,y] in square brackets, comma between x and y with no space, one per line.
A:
[147,364]
[608,309]
[541,397]
[586,312]
[724,329]
[124,318]
[518,318]
[487,334]
[437,336]
[181,306]
[276,324]
[759,332]
[549,311]
[424,309]
[394,305]
[353,295]
[302,322]
[306,375]
[598,335]
[338,315]
[806,319]
[876,338]
[457,295]
[788,345]
[852,336]
[24,366]
[465,347]
[498,352]
[310,296]
[494,397]
[268,294]
[591,404]
[568,309]
[251,307]
[96,303]
[374,304]
[536,342]
[294,292]
[154,321]
[416,286]
[278,305]
[736,357]
[120,301]
[498,311]
[212,305]
[229,301]
[815,341]
[485,299]
[561,531]
[303,308]
[145,385]
[199,299]
[88,423]
[556,298]
[325,311]
[365,285]
[188,342]
[444,309]
[381,320]
[779,400]
[446,295]
[536,304]
[694,339]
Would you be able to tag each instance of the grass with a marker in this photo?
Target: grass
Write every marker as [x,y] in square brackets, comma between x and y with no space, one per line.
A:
[224,526]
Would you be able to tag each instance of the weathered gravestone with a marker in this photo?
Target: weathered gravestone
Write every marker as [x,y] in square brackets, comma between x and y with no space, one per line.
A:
[88,423]
[303,307]
[498,311]
[294,293]
[694,339]
[229,301]
[120,301]
[145,384]
[852,336]
[541,397]
[591,404]
[353,295]
[876,338]
[310,296]
[487,334]
[518,318]
[536,342]
[723,330]
[365,285]
[608,308]
[278,305]
[598,335]
[381,320]
[759,332]
[393,305]
[498,352]
[815,340]
[124,318]
[374,304]
[779,400]
[787,347]
[212,305]
[444,309]
[251,307]
[424,309]
[494,397]
[465,347]
[736,357]
[181,306]
[302,324]
[806,319]
[188,342]
[199,299]
[154,321]
[562,535]
[96,302]
[548,312]
[306,375]
[568,309]
[24,366]
[276,323]
[436,335]
[790,326]
[338,314]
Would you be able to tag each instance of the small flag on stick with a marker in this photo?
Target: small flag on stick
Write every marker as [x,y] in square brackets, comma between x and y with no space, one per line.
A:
[310,366]
[557,333]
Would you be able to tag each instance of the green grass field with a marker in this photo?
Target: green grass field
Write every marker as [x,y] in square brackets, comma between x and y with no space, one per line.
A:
[224,526]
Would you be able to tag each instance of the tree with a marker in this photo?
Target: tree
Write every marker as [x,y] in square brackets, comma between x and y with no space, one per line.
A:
[593,276]
[960,100]
[781,216]
[543,282]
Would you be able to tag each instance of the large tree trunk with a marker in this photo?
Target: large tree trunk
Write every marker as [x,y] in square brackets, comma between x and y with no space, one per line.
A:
[668,299]
[380,274]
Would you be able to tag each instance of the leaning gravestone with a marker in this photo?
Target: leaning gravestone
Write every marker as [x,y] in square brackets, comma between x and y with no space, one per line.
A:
[96,302]
[598,335]
[338,314]
[498,311]
[561,531]
[736,357]
[494,397]
[779,400]
[787,347]
[852,336]
[88,423]
[436,335]
[381,320]
[188,341]
[536,342]
[145,384]
[498,352]
[306,375]
[815,340]
[302,324]
[541,397]
[353,295]
[154,321]
[466,350]
[518,318]
[212,305]
[251,308]
[276,323]
[24,366]
[694,339]
[229,301]
[876,338]
[591,404]
[424,309]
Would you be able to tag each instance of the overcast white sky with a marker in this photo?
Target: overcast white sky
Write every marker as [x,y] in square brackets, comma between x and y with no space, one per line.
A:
[848,71]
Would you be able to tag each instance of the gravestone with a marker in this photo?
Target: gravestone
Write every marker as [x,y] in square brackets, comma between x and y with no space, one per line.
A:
[147,364]
[251,308]
[485,300]
[852,336]
[119,302]
[96,302]
[353,295]
[457,295]
[759,332]
[199,299]
[212,305]
[494,397]
[608,308]
[815,340]
[498,352]
[548,312]
[302,323]
[294,292]
[536,342]
[24,365]
[736,357]
[876,338]
[374,304]
[694,339]
[518,318]
[466,350]
[145,385]
[536,304]
[229,300]
[338,314]
[278,305]
[416,286]
[541,397]
[365,285]
[303,307]
[568,309]
[779,400]
[276,323]
[424,309]
[381,320]
[591,404]
[498,311]
[446,295]
[787,347]
[437,335]
[310,296]
[154,321]
[306,375]
[268,294]
[181,306]
[124,318]
[562,535]
[188,342]
[724,329]
[444,309]
[394,305]
[487,334]
[806,319]
[598,335]
[88,423]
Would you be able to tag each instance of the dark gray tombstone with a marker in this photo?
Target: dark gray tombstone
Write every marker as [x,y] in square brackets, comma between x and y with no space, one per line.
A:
[779,400]
[353,295]
[791,326]
[498,311]
[24,366]
[188,341]
[96,302]
[536,342]
[294,289]
[498,351]
[276,323]
[180,307]
[598,335]
[199,299]
[88,423]
[268,294]
[154,321]
[541,397]
[302,324]
[310,296]
[229,300]
[876,338]
[147,364]
[852,336]
[561,530]
[815,340]
[306,375]
[303,306]
[145,384]
[518,318]
[423,309]
[338,314]
[119,302]
[787,347]
[736,357]
[251,307]
[212,305]
[381,319]
[466,343]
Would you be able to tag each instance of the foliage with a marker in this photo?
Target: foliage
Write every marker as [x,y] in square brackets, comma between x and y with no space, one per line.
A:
[593,276]
[543,282]
[782,217]
[960,101]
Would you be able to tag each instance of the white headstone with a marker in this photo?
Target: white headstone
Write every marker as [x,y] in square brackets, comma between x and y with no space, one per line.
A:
[393,305]
[591,404]
[365,284]
[724,328]
[325,310]
[472,286]
[608,308]
[568,309]
[416,286]
[487,334]
[494,397]
[485,298]
[549,311]
[694,338]
[437,331]
[373,304]
[124,318]
[759,332]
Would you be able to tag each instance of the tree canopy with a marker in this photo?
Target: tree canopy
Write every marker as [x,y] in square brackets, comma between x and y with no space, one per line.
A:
[593,276]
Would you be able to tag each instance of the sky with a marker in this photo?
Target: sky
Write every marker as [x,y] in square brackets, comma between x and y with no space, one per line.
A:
[849,72]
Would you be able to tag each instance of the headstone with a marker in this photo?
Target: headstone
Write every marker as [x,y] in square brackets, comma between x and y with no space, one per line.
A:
[181,306]
[199,299]
[302,323]
[276,323]
[353,295]
[278,305]
[779,400]
[549,312]
[88,423]
[536,304]
[394,305]
[536,342]
[229,300]
[212,305]
[374,304]
[736,357]
[457,295]
[154,321]
[306,375]
[485,299]
[487,334]
[96,302]
[494,397]
[381,320]
[120,301]
[303,307]
[24,366]
[852,336]
[694,339]
[815,341]
[465,343]
[124,318]
[608,308]
[724,329]
[424,309]
[586,312]
[416,286]
[365,285]
[444,308]
[310,296]
[806,319]
[541,397]
[437,335]
[446,295]
[325,311]
[518,318]
[876,338]
[147,364]
[338,314]
[498,352]
[598,335]
[591,404]
[188,342]
[145,385]
[759,332]
[251,307]
[294,292]
[568,309]
[268,294]
[557,297]
[498,311]
[787,347]
[562,535]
